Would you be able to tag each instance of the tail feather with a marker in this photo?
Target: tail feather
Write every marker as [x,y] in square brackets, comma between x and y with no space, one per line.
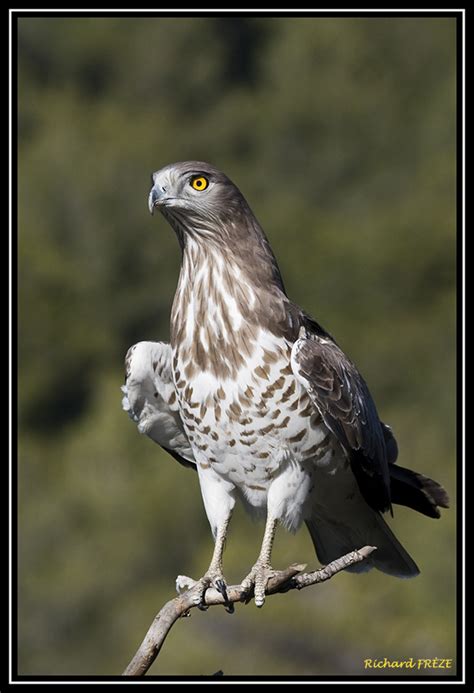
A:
[332,541]
[340,521]
[417,491]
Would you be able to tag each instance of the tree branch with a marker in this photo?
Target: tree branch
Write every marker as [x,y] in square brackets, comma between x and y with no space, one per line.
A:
[281,581]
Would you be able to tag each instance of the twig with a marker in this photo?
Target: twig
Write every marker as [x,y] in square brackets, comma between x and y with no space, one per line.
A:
[281,581]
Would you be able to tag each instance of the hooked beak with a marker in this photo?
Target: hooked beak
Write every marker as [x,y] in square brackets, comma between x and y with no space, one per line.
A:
[154,198]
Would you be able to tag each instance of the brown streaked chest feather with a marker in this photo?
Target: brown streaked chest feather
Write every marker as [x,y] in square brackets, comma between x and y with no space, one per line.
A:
[242,407]
[218,312]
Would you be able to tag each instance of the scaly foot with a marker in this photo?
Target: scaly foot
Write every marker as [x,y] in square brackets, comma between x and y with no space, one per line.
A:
[213,578]
[258,579]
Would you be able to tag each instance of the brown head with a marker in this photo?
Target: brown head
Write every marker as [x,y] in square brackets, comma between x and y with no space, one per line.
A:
[196,199]
[202,203]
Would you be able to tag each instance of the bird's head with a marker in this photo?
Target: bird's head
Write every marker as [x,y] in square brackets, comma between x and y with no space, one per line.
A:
[202,203]
[196,198]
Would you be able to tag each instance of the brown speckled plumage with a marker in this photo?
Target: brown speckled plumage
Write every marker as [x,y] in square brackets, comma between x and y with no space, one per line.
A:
[269,408]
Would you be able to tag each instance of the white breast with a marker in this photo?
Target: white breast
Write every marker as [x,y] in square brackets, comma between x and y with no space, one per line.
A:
[248,428]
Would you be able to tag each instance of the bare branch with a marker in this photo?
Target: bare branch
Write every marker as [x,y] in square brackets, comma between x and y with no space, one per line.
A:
[281,581]
[307,579]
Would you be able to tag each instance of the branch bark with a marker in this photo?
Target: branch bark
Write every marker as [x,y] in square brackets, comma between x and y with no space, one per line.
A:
[281,581]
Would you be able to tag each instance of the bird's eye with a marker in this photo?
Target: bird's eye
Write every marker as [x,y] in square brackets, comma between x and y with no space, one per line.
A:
[199,183]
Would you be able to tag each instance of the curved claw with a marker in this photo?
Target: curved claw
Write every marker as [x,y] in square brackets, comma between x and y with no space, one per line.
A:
[199,587]
[222,588]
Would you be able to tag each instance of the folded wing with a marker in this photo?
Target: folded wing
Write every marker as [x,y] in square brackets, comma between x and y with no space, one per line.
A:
[342,397]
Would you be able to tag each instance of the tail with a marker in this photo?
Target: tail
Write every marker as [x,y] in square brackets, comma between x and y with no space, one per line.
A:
[417,491]
[340,520]
[332,541]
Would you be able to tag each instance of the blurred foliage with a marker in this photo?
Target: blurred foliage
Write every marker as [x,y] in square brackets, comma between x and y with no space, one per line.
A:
[341,134]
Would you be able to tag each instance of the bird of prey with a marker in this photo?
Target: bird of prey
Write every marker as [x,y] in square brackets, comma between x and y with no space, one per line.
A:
[257,397]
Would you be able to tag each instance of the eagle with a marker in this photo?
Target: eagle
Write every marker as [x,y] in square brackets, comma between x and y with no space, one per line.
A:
[259,399]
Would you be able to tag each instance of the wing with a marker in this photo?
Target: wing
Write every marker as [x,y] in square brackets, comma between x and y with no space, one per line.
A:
[342,397]
[150,399]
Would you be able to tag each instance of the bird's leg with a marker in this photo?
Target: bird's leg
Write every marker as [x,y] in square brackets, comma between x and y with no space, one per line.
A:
[262,571]
[219,500]
[213,577]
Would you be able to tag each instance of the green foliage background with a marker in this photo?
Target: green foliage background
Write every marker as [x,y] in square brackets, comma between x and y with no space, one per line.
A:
[341,134]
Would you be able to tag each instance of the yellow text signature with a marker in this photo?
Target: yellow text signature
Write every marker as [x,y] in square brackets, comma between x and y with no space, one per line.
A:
[410,663]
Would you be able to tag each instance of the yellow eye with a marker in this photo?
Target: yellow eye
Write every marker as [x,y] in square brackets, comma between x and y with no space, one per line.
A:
[199,183]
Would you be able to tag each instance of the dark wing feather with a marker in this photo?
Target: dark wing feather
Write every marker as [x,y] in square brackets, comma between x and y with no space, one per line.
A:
[390,443]
[342,397]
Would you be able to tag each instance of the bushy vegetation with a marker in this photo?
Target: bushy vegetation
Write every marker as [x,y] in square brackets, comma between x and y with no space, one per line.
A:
[341,134]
